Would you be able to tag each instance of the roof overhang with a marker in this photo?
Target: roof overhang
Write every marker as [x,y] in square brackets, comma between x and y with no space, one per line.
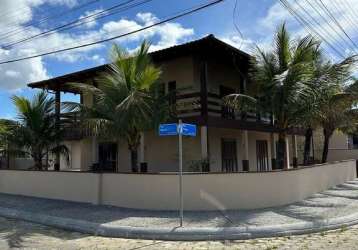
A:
[206,47]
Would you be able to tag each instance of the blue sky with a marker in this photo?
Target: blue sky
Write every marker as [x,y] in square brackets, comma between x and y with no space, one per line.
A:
[257,20]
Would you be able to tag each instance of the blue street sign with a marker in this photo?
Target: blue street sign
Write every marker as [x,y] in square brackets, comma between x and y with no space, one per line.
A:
[175,129]
[168,129]
[187,129]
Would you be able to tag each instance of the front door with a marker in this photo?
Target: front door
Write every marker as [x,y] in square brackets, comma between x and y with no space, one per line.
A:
[228,155]
[107,156]
[262,155]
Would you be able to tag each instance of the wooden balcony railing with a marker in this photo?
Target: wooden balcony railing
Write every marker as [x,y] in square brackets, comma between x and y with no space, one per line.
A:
[183,105]
[190,104]
[72,126]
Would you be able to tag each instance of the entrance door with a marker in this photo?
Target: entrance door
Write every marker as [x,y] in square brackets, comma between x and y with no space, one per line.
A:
[228,155]
[227,112]
[262,155]
[107,156]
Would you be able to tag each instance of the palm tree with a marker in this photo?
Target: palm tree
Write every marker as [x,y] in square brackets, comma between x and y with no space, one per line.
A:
[6,129]
[127,99]
[279,79]
[37,134]
[336,105]
[327,80]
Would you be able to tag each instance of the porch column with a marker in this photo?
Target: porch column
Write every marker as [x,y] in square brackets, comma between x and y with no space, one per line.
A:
[294,151]
[204,142]
[204,90]
[94,150]
[204,147]
[287,153]
[273,151]
[245,147]
[142,162]
[57,124]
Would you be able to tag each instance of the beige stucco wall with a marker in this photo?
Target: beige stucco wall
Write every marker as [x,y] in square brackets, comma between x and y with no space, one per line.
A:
[161,152]
[20,163]
[54,185]
[80,152]
[220,73]
[342,154]
[215,136]
[180,70]
[160,191]
[339,140]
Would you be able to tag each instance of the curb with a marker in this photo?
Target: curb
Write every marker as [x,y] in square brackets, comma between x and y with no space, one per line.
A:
[182,234]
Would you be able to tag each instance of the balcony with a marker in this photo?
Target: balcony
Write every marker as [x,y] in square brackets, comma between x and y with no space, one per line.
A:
[191,104]
[189,107]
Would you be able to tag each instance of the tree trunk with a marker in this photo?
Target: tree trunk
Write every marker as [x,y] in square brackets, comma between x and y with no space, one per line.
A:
[38,163]
[307,148]
[37,156]
[46,167]
[133,140]
[327,133]
[134,159]
[281,150]
[7,155]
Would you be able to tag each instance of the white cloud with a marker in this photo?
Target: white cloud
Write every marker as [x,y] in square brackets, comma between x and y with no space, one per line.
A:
[246,45]
[12,73]
[147,18]
[17,75]
[91,22]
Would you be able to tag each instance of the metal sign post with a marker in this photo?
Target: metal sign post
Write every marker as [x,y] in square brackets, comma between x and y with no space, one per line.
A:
[179,129]
[180,134]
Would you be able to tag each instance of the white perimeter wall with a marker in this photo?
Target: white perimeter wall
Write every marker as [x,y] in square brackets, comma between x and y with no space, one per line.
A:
[160,191]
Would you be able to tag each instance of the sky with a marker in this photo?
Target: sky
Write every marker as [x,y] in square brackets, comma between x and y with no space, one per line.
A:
[257,20]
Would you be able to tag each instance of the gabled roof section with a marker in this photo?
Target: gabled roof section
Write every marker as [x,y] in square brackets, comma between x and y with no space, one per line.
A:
[204,47]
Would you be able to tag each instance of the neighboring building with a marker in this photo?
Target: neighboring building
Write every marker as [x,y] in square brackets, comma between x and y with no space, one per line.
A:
[206,70]
[343,146]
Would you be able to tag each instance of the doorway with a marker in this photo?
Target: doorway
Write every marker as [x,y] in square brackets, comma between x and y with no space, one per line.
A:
[107,156]
[229,155]
[262,155]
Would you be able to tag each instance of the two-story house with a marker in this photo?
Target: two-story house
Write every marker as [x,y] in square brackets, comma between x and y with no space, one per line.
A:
[203,71]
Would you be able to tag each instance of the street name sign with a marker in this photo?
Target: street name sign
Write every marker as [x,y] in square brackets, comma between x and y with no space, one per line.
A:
[168,129]
[179,129]
[187,129]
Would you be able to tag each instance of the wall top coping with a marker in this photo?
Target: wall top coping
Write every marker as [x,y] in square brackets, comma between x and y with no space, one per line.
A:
[188,173]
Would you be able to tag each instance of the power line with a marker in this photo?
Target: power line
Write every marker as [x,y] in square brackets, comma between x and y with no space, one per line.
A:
[234,15]
[44,19]
[328,22]
[338,24]
[325,31]
[351,9]
[77,22]
[184,13]
[347,15]
[307,25]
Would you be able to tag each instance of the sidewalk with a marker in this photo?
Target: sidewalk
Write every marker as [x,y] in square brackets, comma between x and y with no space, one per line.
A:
[334,208]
